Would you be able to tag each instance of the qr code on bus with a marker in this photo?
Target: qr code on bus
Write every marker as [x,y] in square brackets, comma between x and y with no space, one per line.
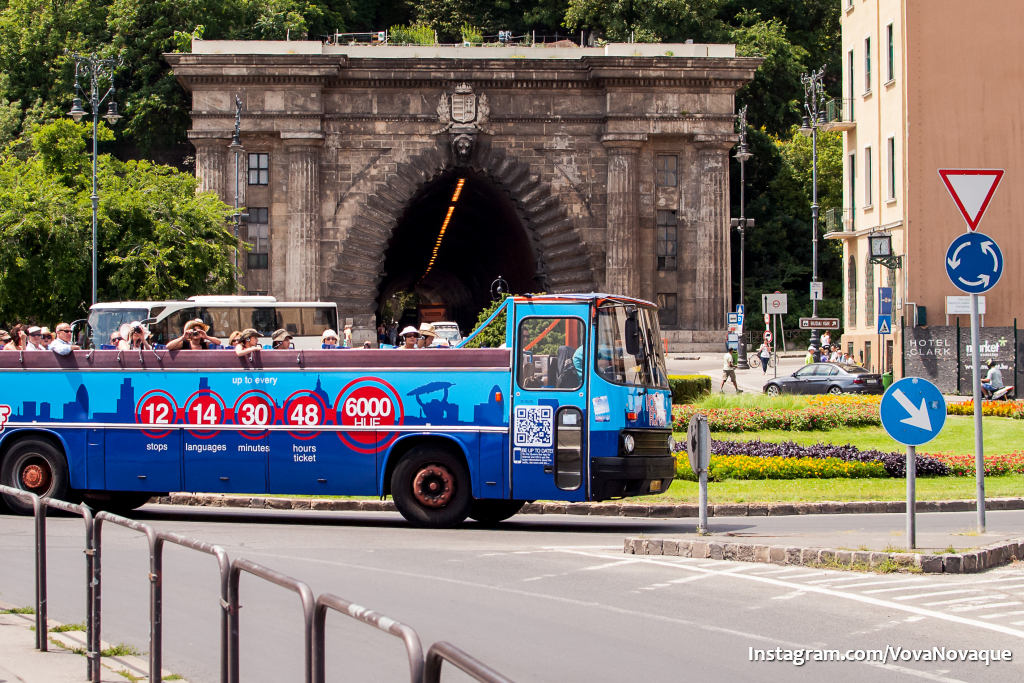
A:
[533,425]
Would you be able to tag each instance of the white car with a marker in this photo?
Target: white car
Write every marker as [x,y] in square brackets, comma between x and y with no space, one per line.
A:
[448,334]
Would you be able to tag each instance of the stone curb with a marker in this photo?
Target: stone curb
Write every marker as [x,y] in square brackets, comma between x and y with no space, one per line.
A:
[958,563]
[614,509]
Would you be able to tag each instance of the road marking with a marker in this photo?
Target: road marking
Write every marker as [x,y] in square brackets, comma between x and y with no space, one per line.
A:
[915,596]
[973,598]
[833,579]
[1002,614]
[882,583]
[991,605]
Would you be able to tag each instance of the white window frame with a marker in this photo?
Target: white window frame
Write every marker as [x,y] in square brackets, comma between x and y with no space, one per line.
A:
[867,65]
[890,144]
[890,52]
[867,177]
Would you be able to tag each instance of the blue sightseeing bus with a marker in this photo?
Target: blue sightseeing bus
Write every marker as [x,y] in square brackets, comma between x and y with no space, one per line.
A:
[574,406]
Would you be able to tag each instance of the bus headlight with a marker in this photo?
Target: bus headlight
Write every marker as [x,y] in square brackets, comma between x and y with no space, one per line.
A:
[628,443]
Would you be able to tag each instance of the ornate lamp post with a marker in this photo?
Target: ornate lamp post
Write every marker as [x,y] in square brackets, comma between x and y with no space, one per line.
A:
[742,223]
[97,70]
[814,116]
[236,147]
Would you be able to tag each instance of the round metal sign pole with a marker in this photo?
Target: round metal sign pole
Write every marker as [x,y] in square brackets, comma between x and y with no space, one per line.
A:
[979,452]
[698,446]
[911,497]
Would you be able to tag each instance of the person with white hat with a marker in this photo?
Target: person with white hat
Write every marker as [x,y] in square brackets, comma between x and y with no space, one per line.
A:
[35,339]
[329,339]
[134,336]
[409,336]
[812,352]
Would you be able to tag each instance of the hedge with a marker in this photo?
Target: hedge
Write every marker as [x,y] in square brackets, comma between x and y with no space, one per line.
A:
[689,388]
[724,467]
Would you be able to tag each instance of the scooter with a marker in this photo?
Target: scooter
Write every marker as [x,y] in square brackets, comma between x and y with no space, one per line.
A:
[1006,393]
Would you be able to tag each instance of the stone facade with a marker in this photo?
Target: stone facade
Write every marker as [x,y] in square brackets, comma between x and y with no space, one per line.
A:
[571,143]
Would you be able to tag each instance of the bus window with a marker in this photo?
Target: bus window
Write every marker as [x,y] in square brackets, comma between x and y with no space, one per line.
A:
[222,321]
[263,320]
[546,347]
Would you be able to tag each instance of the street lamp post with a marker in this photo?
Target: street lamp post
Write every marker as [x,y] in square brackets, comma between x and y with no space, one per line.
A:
[97,69]
[236,147]
[742,223]
[814,116]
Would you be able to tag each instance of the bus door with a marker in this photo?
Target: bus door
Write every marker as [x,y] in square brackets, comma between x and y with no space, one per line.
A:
[549,406]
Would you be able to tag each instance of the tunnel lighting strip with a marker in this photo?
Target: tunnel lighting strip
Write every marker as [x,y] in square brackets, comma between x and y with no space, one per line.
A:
[444,228]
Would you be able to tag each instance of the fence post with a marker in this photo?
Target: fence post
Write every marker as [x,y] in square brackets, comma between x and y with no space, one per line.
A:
[39,512]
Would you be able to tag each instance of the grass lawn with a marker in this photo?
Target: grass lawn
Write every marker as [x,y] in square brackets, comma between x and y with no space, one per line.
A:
[790,490]
[1001,435]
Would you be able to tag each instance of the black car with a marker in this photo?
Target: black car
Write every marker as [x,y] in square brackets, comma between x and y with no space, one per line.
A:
[826,378]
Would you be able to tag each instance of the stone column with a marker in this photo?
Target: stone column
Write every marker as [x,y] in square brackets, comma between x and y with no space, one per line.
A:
[713,260]
[302,260]
[212,166]
[622,237]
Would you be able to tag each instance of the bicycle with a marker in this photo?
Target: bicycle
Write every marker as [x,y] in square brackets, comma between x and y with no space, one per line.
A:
[754,361]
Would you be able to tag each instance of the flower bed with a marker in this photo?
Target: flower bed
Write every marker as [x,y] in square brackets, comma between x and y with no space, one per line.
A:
[724,467]
[1012,409]
[812,418]
[893,464]
[995,465]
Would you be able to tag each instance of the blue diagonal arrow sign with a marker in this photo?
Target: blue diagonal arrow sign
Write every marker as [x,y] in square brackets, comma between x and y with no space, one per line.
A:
[913,411]
[974,263]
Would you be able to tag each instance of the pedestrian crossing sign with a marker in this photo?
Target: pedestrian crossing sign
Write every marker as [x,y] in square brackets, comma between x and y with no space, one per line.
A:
[884,324]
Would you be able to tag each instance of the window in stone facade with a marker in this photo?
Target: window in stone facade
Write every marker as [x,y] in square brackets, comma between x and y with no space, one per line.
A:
[890,72]
[851,291]
[665,170]
[867,65]
[258,236]
[667,239]
[668,311]
[869,293]
[259,169]
[890,162]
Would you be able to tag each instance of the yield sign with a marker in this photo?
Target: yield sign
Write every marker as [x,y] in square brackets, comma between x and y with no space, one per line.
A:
[972,190]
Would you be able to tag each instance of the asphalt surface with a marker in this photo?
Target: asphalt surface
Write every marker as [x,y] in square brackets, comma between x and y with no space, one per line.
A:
[710,364]
[541,598]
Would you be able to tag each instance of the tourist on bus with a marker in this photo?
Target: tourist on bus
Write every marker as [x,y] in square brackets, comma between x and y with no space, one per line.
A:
[17,338]
[410,337]
[248,342]
[329,338]
[62,345]
[46,337]
[134,336]
[281,339]
[5,338]
[234,338]
[193,337]
[347,332]
[35,339]
[427,335]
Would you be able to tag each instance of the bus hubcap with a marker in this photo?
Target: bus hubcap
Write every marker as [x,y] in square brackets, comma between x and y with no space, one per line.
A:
[433,486]
[35,477]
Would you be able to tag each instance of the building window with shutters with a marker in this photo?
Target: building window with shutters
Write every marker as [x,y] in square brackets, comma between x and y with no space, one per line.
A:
[851,291]
[667,239]
[259,169]
[258,235]
[869,294]
[668,311]
[665,170]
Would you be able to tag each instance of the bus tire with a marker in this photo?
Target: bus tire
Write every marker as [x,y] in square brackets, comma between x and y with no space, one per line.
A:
[431,488]
[36,466]
[490,512]
[117,502]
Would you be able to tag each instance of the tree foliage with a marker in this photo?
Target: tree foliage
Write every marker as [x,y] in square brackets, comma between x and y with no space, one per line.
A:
[157,237]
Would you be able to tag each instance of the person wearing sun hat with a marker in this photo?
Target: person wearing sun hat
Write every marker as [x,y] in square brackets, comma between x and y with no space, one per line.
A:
[427,335]
[35,339]
[248,342]
[134,336]
[193,337]
[281,339]
[409,337]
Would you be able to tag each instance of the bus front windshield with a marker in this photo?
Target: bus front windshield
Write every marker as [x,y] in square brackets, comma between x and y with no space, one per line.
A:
[629,348]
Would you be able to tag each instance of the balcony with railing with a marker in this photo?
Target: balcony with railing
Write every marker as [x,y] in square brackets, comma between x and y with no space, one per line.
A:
[839,220]
[839,115]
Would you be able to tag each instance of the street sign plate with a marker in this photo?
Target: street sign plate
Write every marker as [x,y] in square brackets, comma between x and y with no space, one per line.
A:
[885,300]
[774,303]
[768,337]
[913,411]
[741,309]
[819,323]
[961,305]
[817,291]
[974,263]
[971,190]
[698,443]
[733,319]
[884,324]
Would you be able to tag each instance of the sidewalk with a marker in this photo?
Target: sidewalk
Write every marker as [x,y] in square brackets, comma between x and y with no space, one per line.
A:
[63,662]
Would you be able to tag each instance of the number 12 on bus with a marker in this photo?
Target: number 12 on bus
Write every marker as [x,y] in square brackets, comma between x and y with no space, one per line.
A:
[574,406]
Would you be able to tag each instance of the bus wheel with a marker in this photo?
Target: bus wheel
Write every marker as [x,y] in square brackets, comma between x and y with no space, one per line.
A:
[431,488]
[33,465]
[119,502]
[490,512]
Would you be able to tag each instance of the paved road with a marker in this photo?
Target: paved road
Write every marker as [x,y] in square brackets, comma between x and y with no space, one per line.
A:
[711,364]
[545,598]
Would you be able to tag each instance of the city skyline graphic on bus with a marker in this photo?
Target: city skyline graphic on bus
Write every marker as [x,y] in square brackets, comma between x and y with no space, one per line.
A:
[433,403]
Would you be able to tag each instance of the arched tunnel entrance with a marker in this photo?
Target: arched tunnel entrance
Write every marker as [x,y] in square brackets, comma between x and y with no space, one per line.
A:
[457,234]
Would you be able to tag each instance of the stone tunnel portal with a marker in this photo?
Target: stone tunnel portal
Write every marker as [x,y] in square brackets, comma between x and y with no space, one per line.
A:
[457,234]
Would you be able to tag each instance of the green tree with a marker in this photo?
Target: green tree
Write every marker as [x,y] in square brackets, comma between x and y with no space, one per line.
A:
[648,21]
[158,238]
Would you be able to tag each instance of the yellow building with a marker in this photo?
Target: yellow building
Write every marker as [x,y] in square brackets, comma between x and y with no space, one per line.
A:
[927,85]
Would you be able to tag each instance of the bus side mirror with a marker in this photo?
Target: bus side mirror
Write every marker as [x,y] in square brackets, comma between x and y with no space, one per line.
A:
[633,345]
